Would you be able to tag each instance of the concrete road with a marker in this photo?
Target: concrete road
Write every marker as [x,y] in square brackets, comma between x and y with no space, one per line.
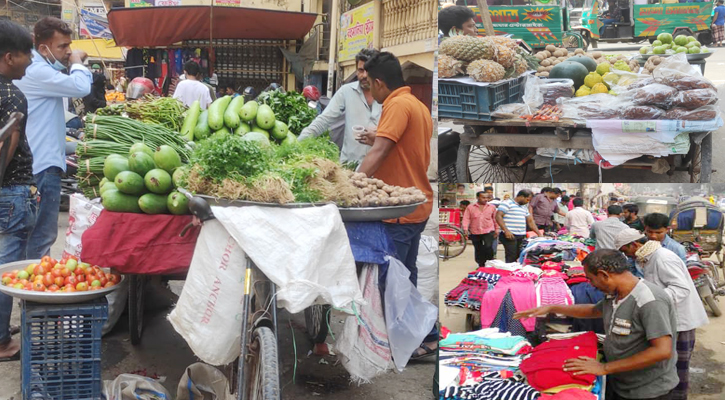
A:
[714,71]
[164,353]
[707,381]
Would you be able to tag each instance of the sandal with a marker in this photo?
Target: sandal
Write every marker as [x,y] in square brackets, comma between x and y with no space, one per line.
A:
[14,357]
[427,352]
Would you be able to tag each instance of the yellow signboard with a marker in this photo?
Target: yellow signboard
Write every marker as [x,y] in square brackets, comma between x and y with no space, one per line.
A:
[357,29]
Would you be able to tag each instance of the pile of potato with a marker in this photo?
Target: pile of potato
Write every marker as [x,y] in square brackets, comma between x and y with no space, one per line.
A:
[376,193]
[651,64]
[554,55]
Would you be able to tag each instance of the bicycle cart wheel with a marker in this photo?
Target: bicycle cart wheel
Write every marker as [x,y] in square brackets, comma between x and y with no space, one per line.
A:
[451,241]
[700,168]
[495,164]
[316,322]
[264,367]
[136,307]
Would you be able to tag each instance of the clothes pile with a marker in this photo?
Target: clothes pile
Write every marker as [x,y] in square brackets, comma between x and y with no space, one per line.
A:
[493,365]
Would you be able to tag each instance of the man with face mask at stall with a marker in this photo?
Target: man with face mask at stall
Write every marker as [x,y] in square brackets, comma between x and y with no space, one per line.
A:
[45,85]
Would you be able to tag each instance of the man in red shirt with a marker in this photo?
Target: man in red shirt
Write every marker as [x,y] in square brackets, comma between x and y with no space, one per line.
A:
[400,156]
[479,221]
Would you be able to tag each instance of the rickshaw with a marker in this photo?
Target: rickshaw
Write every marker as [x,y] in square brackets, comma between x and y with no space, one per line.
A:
[698,224]
[645,19]
[649,205]
[696,220]
[451,238]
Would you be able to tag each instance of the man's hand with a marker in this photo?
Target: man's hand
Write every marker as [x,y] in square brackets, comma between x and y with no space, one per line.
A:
[367,137]
[534,312]
[584,365]
[77,57]
[509,235]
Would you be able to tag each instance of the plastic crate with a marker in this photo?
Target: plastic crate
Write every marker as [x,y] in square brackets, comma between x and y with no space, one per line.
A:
[462,101]
[447,174]
[61,350]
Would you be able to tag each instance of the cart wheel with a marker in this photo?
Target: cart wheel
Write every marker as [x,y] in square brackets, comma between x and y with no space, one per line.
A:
[136,307]
[714,306]
[448,249]
[316,321]
[495,164]
[264,367]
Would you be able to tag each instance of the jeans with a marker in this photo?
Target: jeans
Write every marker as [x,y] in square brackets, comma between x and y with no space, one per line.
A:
[18,211]
[483,245]
[495,245]
[46,227]
[512,246]
[407,240]
[606,21]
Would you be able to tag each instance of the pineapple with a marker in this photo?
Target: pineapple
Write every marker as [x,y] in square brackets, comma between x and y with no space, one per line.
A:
[466,48]
[486,71]
[520,65]
[504,41]
[449,67]
[505,56]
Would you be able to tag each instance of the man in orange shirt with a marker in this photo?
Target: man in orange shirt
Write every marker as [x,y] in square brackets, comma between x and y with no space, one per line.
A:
[400,156]
[479,221]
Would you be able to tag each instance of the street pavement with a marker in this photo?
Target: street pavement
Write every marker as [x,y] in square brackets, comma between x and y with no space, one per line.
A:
[164,353]
[707,381]
[714,70]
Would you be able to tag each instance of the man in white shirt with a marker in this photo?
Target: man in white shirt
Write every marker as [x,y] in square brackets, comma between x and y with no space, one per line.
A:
[190,89]
[579,220]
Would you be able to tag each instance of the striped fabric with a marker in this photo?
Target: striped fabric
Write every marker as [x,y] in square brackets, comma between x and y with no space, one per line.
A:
[492,389]
[514,216]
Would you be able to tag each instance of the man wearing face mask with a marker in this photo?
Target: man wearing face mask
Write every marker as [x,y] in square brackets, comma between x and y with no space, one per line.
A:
[45,85]
[355,103]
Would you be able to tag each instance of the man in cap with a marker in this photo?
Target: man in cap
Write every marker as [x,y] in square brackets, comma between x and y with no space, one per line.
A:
[666,270]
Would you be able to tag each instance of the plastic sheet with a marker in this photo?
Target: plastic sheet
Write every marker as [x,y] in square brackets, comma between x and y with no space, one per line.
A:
[408,316]
[700,114]
[202,381]
[676,68]
[692,99]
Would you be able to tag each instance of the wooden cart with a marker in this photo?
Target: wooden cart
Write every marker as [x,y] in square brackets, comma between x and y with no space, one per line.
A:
[502,150]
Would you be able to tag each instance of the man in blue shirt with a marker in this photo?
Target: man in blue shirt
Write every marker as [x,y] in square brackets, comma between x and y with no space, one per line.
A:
[656,226]
[45,85]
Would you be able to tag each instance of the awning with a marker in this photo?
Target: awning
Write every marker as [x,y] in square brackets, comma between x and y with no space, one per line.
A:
[165,26]
[99,49]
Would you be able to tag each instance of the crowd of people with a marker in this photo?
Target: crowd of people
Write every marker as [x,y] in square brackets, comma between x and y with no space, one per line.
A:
[651,308]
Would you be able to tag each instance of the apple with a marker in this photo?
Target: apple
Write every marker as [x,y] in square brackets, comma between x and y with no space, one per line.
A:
[71,264]
[82,286]
[59,281]
[19,286]
[23,274]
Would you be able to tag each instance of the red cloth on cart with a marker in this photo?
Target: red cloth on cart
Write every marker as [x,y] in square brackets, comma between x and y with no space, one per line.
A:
[140,243]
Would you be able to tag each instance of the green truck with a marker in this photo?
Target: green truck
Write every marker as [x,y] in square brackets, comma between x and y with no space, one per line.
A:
[561,22]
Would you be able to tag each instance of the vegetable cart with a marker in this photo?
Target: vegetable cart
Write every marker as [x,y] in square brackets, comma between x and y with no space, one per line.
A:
[502,150]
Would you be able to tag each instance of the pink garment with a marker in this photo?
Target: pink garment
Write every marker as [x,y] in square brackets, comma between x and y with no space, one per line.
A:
[553,291]
[480,220]
[523,294]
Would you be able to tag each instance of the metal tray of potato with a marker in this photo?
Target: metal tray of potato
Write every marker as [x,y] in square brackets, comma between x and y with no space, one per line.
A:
[351,214]
[50,297]
[690,57]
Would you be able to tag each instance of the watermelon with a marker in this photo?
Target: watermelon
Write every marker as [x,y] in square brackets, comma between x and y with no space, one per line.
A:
[570,70]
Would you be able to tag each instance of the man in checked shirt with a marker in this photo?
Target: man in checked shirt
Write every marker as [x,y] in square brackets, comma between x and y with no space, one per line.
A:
[18,202]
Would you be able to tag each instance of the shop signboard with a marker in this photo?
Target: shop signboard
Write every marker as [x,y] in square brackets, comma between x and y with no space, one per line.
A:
[538,26]
[357,28]
[94,25]
[653,19]
[140,3]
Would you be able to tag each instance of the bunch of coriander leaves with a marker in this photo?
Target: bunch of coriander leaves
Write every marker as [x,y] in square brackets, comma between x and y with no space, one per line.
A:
[242,160]
[290,108]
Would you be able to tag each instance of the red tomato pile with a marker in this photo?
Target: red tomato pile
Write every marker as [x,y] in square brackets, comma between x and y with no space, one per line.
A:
[64,276]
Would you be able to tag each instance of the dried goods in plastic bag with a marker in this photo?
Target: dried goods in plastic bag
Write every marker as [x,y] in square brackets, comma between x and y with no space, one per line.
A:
[705,113]
[641,112]
[677,66]
[692,99]
[595,106]
[654,95]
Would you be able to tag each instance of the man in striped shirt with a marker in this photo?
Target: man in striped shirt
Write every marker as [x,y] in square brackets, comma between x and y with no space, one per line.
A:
[513,217]
[479,221]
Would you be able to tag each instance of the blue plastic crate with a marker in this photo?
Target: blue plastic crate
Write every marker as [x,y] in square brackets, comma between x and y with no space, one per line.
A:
[462,101]
[61,350]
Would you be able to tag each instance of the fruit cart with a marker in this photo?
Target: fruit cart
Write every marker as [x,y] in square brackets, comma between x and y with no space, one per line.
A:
[502,150]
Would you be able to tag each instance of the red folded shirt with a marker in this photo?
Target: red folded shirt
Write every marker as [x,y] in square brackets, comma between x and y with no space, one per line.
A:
[544,368]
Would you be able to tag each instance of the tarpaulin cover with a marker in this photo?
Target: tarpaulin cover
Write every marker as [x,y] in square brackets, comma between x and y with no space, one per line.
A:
[140,243]
[164,26]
